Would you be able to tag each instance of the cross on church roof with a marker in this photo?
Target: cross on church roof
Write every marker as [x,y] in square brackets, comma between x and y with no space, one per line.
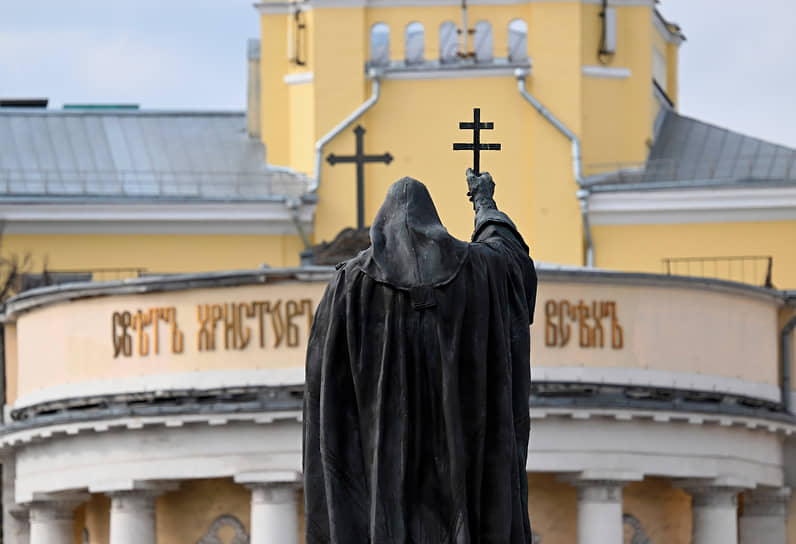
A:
[359,158]
[476,147]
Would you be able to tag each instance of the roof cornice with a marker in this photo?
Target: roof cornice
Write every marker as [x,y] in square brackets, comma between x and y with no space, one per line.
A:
[148,217]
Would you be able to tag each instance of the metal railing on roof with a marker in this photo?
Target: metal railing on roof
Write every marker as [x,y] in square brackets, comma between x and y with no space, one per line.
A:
[210,185]
[752,269]
[768,167]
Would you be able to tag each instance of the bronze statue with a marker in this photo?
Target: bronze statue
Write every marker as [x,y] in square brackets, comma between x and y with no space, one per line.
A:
[416,415]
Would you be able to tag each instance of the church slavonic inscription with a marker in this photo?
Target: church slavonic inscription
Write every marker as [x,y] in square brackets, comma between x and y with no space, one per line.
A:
[222,326]
[140,331]
[596,324]
[233,320]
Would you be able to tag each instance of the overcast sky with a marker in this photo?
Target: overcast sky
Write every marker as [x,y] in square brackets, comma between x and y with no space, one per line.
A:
[737,68]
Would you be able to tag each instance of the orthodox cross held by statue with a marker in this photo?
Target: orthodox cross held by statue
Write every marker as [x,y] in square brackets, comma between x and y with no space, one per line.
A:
[359,158]
[476,147]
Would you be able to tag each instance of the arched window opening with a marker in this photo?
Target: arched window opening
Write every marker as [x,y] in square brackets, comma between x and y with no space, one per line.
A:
[518,40]
[448,42]
[482,41]
[380,44]
[415,43]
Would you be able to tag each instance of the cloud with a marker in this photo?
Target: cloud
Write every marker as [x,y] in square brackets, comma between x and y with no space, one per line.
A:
[736,69]
[80,66]
[184,54]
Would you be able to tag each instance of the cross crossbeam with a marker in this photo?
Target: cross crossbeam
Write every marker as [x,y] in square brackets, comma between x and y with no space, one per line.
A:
[476,146]
[360,159]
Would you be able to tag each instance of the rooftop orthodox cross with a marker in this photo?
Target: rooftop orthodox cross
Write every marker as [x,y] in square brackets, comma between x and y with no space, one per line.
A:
[476,147]
[360,159]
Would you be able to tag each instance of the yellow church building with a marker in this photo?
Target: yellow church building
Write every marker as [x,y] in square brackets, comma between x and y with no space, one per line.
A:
[152,383]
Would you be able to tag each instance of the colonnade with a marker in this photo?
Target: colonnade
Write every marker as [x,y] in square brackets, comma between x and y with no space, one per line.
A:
[714,513]
[274,516]
[275,510]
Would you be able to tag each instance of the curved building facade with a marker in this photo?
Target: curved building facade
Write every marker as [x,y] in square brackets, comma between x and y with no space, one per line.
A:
[168,409]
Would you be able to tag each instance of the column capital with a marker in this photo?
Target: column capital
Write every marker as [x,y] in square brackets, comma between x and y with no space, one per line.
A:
[708,496]
[20,512]
[271,487]
[713,492]
[46,511]
[600,485]
[133,501]
[768,502]
[139,487]
[268,477]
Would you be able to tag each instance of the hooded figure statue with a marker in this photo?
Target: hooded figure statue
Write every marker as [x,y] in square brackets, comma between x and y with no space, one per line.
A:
[416,417]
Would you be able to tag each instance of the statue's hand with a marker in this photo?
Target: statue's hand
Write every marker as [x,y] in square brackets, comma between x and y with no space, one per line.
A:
[480,187]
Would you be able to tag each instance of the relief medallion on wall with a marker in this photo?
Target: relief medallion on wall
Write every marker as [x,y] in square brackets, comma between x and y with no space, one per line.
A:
[225,529]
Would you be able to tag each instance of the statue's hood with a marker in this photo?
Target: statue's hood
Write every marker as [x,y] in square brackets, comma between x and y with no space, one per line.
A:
[410,247]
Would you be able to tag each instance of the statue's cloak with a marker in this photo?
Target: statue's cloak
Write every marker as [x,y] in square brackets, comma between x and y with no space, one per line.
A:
[416,415]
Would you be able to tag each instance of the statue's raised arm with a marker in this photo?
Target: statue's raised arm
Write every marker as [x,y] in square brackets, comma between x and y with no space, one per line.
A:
[496,229]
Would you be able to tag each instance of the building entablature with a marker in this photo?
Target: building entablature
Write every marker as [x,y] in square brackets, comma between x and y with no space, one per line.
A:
[132,452]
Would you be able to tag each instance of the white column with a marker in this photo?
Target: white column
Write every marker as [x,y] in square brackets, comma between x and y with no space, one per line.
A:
[133,517]
[715,514]
[274,513]
[16,526]
[18,530]
[599,511]
[764,517]
[52,522]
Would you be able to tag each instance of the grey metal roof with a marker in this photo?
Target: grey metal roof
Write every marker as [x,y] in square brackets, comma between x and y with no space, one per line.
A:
[138,154]
[689,152]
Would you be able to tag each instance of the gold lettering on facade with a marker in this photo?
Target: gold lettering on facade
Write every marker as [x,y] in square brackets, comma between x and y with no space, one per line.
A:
[122,341]
[591,321]
[230,324]
[205,336]
[146,326]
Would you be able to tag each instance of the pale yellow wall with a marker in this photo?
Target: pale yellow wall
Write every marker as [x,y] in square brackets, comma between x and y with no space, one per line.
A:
[673,77]
[642,247]
[410,123]
[80,521]
[94,515]
[416,121]
[11,368]
[667,329]
[444,176]
[302,117]
[658,40]
[664,511]
[80,346]
[184,516]
[155,253]
[555,44]
[273,104]
[553,507]
[785,315]
[616,121]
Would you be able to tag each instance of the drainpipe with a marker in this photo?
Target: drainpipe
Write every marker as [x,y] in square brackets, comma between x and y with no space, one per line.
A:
[582,193]
[785,356]
[373,74]
[293,205]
